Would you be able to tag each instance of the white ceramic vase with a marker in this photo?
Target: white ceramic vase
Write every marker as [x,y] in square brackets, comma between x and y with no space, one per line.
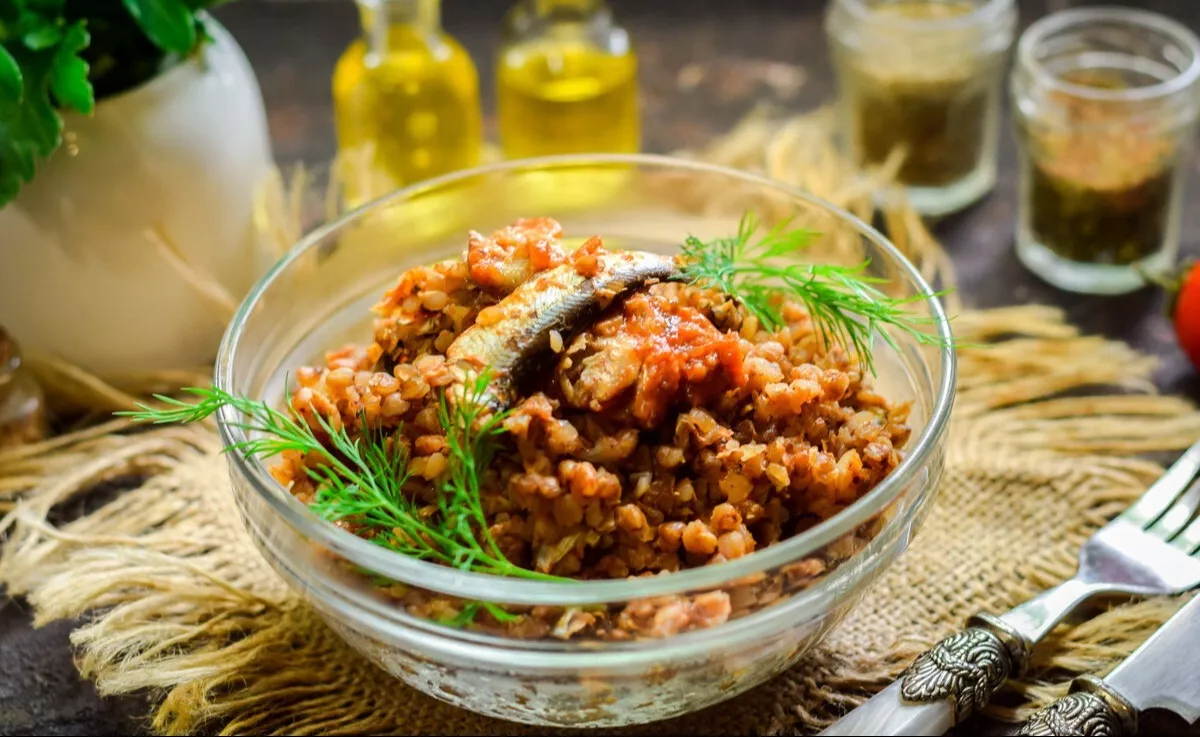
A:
[84,273]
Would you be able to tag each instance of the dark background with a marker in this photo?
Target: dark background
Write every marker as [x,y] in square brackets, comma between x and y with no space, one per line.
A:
[736,49]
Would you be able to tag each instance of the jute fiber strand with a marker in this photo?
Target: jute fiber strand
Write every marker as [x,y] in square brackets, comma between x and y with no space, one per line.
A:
[1043,449]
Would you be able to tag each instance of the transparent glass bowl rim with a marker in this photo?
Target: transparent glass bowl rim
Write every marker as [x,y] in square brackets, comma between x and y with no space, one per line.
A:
[1042,28]
[485,587]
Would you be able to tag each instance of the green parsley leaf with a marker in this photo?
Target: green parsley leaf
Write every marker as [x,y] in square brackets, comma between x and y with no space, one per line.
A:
[30,129]
[12,82]
[69,75]
[37,31]
[170,24]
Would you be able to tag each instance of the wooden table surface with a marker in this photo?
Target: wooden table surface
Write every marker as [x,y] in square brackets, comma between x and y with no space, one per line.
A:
[293,45]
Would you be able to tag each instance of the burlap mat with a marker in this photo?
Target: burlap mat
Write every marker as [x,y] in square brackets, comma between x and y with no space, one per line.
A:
[1042,447]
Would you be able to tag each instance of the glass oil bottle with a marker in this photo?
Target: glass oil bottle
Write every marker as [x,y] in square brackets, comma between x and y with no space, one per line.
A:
[406,100]
[566,81]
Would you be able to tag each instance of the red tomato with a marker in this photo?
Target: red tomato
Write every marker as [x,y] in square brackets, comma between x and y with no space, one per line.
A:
[1187,314]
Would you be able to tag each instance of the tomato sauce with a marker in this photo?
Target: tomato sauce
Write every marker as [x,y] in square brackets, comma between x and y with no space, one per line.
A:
[682,354]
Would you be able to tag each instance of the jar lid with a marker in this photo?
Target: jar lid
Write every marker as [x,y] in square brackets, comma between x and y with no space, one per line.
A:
[880,27]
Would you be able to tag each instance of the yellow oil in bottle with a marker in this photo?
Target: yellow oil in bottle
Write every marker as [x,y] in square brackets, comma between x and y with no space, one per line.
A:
[406,100]
[566,82]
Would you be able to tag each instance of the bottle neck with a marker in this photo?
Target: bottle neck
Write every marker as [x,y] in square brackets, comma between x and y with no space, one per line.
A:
[567,7]
[532,18]
[380,17]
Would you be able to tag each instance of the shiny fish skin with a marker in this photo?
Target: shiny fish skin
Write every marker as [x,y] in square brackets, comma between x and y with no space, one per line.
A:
[559,299]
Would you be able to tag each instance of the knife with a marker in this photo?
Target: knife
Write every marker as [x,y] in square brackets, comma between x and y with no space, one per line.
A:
[1164,673]
[959,675]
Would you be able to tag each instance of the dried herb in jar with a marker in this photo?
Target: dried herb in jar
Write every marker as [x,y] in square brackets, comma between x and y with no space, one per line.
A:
[1100,187]
[939,120]
[940,125]
[1117,224]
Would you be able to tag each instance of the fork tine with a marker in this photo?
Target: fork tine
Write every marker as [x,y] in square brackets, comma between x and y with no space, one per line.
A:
[1159,497]
[1180,513]
[1189,540]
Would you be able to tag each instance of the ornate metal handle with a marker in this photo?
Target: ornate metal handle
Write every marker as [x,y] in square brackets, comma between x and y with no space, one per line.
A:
[960,674]
[966,668]
[1090,710]
[944,685]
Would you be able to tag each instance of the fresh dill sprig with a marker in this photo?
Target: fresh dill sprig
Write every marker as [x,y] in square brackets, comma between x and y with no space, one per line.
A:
[471,440]
[471,610]
[466,616]
[845,306]
[362,478]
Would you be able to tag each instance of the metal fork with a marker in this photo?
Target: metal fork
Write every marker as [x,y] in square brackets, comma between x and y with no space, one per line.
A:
[1153,548]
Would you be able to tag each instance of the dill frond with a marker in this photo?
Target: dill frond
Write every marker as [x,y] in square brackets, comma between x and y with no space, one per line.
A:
[363,477]
[846,306]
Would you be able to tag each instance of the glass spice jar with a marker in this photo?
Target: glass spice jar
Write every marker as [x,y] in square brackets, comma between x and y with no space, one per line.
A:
[1106,103]
[22,404]
[922,80]
[566,81]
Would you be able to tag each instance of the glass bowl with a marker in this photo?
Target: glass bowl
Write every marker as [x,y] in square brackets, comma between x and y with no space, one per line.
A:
[787,596]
